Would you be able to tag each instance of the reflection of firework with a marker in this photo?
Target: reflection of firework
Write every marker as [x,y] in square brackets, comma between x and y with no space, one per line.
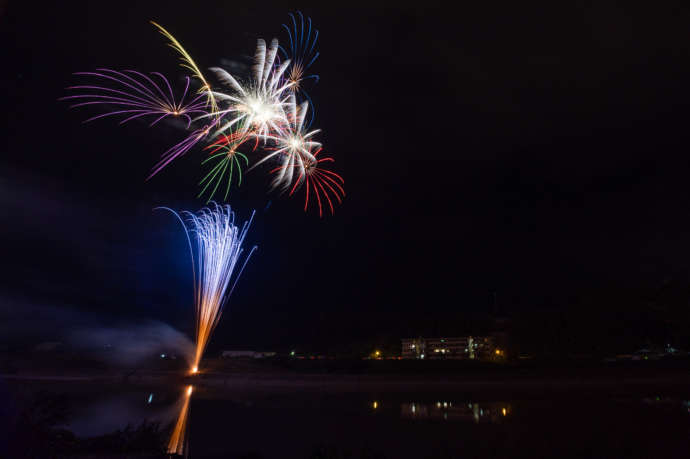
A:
[218,252]
[178,438]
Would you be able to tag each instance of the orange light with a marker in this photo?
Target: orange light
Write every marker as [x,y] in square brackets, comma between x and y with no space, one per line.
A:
[375,405]
[189,391]
[195,369]
[504,411]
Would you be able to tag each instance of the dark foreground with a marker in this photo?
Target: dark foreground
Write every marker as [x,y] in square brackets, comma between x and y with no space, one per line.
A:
[607,411]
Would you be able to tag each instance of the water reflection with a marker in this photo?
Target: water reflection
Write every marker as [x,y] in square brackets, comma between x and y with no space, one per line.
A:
[454,411]
[668,403]
[179,440]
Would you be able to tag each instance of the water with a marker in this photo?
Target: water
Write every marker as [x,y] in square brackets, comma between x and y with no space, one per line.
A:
[362,422]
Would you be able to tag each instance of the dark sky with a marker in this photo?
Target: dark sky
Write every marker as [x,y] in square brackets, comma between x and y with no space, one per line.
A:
[536,151]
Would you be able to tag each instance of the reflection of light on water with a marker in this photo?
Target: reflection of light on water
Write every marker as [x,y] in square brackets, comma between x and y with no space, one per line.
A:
[668,403]
[178,438]
[468,412]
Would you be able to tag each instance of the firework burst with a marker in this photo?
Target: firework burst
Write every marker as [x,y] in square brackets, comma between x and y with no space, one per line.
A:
[267,114]
[302,53]
[225,158]
[188,63]
[293,145]
[320,182]
[259,105]
[136,95]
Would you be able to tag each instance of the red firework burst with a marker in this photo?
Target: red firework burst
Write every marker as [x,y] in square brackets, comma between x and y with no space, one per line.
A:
[320,182]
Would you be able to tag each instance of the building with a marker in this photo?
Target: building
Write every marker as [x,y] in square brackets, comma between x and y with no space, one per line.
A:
[458,348]
[246,354]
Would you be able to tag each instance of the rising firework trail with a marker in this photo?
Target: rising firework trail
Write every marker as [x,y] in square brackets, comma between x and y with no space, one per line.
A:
[217,268]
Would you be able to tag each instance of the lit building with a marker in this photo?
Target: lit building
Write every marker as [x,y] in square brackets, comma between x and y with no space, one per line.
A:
[458,348]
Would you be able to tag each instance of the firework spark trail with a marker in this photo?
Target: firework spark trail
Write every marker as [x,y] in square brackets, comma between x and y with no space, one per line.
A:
[136,95]
[182,147]
[224,153]
[259,106]
[320,181]
[293,146]
[188,63]
[218,252]
[302,53]
[265,107]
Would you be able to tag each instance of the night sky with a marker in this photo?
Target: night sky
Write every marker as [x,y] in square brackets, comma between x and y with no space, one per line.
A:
[539,152]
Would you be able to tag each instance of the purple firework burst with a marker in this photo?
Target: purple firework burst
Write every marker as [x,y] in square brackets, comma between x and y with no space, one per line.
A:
[136,95]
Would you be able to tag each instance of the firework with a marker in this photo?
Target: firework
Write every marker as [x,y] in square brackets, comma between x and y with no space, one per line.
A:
[259,105]
[136,95]
[267,114]
[293,146]
[317,180]
[183,147]
[217,269]
[188,63]
[302,54]
[225,158]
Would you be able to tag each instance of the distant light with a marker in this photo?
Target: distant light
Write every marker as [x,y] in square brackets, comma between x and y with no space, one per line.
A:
[438,404]
[413,346]
[195,369]
[162,356]
[445,404]
[375,404]
[421,356]
[150,398]
[504,411]
[292,353]
[414,408]
[498,352]
[189,391]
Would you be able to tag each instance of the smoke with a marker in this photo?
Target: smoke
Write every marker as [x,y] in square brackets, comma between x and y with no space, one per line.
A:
[130,345]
